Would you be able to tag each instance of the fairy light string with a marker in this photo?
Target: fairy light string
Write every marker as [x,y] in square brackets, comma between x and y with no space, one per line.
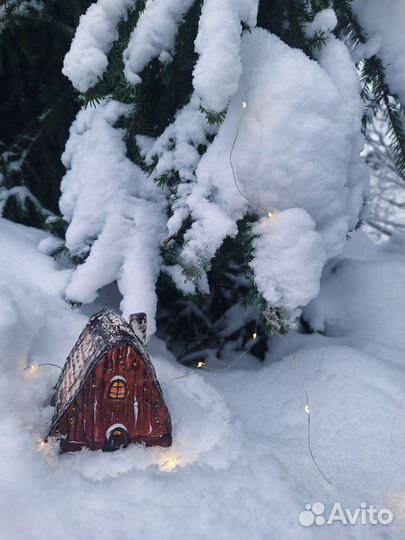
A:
[270,215]
[307,410]
[307,407]
[34,367]
[201,365]
[244,105]
[171,463]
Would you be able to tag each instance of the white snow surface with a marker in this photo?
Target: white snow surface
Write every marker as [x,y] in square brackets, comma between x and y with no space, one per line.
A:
[154,35]
[86,60]
[383,24]
[19,258]
[116,215]
[239,437]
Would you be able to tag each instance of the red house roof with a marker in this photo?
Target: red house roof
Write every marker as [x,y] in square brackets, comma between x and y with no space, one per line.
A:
[105,330]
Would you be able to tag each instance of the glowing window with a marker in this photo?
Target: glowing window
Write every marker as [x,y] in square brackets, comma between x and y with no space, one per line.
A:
[118,389]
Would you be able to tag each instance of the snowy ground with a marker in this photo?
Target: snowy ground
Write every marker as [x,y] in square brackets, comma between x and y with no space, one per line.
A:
[240,437]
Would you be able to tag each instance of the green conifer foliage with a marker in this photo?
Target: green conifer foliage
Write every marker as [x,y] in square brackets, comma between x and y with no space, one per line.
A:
[375,91]
[37,106]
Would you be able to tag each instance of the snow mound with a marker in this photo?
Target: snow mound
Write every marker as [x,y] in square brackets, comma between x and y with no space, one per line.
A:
[203,433]
[331,312]
[19,245]
[240,437]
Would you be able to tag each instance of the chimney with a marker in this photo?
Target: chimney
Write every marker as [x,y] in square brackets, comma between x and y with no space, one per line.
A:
[139,322]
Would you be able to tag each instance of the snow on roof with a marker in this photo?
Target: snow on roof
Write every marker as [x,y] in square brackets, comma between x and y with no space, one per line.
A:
[104,331]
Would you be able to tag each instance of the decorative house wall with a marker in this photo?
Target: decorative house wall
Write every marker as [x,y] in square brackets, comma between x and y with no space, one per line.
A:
[108,395]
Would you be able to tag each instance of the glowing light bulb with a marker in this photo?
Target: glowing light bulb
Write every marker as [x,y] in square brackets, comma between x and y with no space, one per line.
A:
[307,409]
[34,366]
[270,215]
[170,464]
[41,444]
[254,335]
[244,104]
[200,364]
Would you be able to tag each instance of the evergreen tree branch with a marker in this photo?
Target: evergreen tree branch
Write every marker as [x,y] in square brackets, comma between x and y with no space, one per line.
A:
[375,91]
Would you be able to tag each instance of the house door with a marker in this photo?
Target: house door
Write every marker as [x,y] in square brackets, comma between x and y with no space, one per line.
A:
[117,438]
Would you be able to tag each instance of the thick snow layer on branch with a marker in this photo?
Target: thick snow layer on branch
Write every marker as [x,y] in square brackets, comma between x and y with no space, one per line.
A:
[154,35]
[295,145]
[324,22]
[116,216]
[288,258]
[335,59]
[298,147]
[383,23]
[218,69]
[177,150]
[86,60]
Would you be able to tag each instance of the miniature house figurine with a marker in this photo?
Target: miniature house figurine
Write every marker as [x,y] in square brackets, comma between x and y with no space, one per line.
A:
[107,395]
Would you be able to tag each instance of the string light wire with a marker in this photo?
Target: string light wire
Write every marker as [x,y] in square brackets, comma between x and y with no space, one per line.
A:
[205,368]
[270,215]
[244,353]
[170,462]
[307,409]
[235,179]
[201,365]
[233,148]
[36,366]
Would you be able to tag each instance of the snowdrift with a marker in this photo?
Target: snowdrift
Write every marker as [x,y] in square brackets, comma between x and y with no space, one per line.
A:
[243,468]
